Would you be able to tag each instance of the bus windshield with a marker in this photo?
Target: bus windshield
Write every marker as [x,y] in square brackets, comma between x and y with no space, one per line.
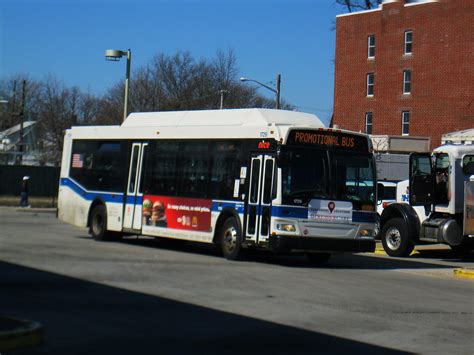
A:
[318,174]
[353,178]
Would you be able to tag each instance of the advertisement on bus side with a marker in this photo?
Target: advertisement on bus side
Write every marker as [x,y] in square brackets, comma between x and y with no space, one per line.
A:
[177,213]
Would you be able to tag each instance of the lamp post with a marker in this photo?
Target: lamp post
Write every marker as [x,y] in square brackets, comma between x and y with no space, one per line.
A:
[115,55]
[222,93]
[276,91]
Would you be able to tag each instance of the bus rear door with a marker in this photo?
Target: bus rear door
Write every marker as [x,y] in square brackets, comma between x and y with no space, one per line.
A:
[259,198]
[132,219]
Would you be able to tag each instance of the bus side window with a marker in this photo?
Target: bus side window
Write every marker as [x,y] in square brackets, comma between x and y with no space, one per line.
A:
[193,169]
[225,168]
[98,165]
[161,168]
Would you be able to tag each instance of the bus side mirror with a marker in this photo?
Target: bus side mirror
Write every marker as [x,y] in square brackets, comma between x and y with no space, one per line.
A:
[380,192]
[468,164]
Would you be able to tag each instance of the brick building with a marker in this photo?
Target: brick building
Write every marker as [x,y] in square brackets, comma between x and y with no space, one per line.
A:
[406,68]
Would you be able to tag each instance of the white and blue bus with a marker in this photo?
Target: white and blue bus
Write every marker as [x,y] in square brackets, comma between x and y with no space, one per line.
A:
[246,178]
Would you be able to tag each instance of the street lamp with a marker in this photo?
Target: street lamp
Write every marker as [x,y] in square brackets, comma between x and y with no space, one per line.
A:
[114,55]
[222,93]
[276,91]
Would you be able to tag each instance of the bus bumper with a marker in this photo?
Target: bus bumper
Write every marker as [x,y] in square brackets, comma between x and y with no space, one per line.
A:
[279,243]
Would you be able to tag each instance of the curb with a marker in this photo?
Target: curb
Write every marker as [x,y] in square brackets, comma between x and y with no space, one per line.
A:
[381,251]
[19,333]
[37,210]
[467,273]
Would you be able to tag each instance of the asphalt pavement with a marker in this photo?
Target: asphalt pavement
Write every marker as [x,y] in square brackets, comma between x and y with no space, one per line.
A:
[143,295]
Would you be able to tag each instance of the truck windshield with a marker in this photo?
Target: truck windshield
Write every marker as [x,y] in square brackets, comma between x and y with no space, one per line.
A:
[314,174]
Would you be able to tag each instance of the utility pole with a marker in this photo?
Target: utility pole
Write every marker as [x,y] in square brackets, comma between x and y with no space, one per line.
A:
[22,120]
[222,93]
[278,83]
[276,91]
[13,106]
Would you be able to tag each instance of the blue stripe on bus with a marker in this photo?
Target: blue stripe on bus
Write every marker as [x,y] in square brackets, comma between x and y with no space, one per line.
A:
[364,216]
[218,206]
[290,212]
[91,195]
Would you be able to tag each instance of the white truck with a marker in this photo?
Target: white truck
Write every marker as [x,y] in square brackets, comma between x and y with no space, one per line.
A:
[436,204]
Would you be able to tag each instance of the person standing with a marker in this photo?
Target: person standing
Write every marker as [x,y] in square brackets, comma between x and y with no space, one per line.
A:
[24,192]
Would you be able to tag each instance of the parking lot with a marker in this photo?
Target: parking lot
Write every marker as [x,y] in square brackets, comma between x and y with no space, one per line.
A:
[143,294]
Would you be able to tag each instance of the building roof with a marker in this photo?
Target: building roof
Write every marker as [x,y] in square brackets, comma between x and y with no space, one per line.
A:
[466,135]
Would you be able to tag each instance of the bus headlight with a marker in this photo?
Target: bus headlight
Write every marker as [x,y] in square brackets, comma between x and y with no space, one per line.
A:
[286,227]
[366,233]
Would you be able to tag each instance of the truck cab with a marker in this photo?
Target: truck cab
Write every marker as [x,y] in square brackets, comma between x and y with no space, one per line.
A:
[440,203]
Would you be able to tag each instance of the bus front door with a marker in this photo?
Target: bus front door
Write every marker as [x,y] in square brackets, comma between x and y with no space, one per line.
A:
[259,199]
[132,219]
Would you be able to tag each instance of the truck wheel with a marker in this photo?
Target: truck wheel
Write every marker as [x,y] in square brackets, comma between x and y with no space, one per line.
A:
[98,226]
[318,258]
[230,239]
[395,239]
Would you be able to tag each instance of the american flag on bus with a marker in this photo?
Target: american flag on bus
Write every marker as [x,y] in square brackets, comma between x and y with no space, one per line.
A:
[77,160]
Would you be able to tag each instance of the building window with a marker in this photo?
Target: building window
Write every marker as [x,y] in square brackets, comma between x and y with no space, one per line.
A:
[370,84]
[408,42]
[407,81]
[371,46]
[368,122]
[406,123]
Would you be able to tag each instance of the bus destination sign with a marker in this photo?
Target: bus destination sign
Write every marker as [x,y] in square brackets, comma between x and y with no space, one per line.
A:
[328,139]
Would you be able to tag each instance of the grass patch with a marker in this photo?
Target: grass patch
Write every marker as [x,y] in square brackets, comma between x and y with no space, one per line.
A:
[35,201]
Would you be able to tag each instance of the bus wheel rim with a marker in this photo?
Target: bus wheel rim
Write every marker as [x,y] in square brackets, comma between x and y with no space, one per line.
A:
[230,239]
[394,238]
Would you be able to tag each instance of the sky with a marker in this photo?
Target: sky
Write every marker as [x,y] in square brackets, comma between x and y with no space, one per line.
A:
[68,38]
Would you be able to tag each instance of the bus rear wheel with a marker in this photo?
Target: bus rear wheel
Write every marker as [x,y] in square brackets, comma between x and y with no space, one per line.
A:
[98,225]
[230,239]
[395,238]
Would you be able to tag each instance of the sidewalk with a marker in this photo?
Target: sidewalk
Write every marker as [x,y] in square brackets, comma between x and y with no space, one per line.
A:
[35,201]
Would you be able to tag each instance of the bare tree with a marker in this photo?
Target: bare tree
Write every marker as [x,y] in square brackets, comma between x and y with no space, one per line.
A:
[58,108]
[180,82]
[354,5]
[167,82]
[11,95]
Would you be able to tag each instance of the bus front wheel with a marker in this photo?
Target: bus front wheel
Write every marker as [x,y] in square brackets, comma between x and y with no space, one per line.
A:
[231,239]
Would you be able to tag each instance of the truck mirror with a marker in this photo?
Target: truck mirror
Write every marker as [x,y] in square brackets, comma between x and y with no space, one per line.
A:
[468,164]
